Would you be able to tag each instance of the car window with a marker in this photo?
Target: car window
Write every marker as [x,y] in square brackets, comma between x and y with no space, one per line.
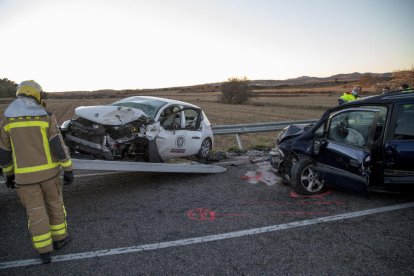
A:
[148,106]
[319,132]
[383,111]
[191,118]
[382,117]
[170,117]
[351,128]
[204,118]
[404,129]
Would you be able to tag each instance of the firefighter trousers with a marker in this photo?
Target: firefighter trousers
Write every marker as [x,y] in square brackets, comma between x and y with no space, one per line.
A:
[45,212]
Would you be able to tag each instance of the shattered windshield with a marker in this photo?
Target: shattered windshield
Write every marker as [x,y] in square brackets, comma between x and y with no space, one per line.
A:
[148,106]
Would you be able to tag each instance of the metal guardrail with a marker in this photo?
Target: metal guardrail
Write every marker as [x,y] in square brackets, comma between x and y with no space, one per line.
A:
[252,128]
[259,127]
[105,165]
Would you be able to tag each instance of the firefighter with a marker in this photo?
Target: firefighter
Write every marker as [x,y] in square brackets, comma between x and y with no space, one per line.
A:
[32,153]
[350,96]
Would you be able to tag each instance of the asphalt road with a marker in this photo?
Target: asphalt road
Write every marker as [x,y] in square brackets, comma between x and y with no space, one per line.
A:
[191,224]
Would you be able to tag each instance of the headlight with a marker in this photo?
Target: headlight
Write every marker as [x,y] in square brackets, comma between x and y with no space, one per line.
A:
[276,158]
[65,125]
[281,133]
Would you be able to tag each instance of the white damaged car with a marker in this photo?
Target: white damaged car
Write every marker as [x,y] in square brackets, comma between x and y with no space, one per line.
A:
[139,128]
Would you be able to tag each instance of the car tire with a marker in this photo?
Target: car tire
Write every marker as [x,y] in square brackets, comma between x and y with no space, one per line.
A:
[205,148]
[305,180]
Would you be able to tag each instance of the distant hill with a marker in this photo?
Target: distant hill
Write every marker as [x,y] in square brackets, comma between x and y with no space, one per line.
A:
[351,77]
[8,88]
[304,81]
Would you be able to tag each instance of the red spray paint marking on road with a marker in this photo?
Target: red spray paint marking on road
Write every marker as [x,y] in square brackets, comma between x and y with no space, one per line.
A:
[321,202]
[201,214]
[321,199]
[320,196]
[205,214]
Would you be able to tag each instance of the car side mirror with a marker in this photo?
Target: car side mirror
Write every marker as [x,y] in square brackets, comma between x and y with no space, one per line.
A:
[318,145]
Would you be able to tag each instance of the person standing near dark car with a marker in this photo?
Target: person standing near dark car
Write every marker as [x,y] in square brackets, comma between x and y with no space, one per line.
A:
[350,96]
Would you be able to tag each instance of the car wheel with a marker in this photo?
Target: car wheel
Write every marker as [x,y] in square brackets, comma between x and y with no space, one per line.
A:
[305,180]
[204,149]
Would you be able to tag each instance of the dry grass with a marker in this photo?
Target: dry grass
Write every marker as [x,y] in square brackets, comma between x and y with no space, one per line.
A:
[268,104]
[260,109]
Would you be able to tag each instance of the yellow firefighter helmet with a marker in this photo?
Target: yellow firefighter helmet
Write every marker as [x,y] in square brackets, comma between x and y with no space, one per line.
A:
[31,89]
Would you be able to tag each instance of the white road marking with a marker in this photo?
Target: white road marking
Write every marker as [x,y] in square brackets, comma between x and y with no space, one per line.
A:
[196,240]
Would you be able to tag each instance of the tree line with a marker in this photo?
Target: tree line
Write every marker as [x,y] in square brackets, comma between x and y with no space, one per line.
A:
[7,88]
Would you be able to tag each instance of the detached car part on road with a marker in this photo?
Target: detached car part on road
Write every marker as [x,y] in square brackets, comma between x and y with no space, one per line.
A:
[139,128]
[365,145]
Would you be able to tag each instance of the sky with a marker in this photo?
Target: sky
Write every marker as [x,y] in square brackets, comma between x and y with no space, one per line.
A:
[83,45]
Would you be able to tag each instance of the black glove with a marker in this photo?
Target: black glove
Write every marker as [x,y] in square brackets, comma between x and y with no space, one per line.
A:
[10,181]
[68,178]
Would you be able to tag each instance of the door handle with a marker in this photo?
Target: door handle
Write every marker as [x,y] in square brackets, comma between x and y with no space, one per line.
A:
[196,137]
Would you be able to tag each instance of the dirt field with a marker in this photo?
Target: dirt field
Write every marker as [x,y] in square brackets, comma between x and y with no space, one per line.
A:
[259,110]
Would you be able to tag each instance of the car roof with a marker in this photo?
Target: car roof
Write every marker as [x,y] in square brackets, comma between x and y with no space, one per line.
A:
[390,97]
[168,101]
[396,96]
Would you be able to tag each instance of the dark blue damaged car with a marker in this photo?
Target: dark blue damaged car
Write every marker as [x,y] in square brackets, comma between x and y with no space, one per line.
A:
[362,146]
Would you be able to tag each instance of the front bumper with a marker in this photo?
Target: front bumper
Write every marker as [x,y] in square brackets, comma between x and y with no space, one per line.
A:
[89,147]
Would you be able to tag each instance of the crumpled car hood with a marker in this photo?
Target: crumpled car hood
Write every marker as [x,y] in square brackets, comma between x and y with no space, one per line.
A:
[292,131]
[109,115]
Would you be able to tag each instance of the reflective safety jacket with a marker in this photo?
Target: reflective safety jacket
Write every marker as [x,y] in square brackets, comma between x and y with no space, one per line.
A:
[346,97]
[31,147]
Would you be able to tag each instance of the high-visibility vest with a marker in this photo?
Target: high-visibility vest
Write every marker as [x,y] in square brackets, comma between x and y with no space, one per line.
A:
[348,97]
[35,146]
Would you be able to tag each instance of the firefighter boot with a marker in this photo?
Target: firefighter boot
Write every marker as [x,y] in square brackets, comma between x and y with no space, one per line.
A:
[45,258]
[59,244]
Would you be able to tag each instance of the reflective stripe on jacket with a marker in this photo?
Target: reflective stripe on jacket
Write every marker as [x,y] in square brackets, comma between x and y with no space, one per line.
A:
[32,148]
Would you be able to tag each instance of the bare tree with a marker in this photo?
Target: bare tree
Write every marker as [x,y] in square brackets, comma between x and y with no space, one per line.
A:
[235,91]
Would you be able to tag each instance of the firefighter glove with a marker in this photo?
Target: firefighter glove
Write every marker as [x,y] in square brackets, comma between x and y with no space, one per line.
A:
[10,181]
[68,178]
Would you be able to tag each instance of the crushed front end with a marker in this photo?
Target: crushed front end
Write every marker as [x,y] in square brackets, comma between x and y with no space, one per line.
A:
[282,161]
[283,157]
[134,140]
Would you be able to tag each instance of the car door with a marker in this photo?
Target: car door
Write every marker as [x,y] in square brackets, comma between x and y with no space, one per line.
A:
[399,146]
[344,157]
[180,133]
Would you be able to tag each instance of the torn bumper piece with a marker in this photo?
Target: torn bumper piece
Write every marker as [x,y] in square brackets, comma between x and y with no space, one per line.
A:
[91,147]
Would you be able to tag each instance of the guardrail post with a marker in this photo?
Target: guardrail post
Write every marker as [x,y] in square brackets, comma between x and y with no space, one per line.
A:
[239,141]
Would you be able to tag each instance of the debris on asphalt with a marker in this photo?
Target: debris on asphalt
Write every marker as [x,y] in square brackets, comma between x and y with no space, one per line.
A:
[264,174]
